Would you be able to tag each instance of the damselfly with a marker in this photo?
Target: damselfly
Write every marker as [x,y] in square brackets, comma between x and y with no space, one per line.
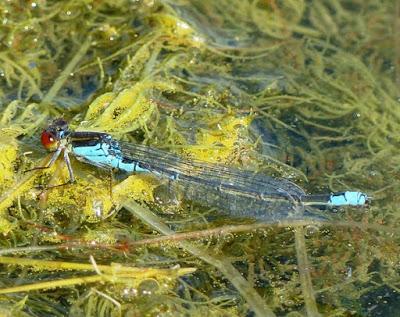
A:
[237,192]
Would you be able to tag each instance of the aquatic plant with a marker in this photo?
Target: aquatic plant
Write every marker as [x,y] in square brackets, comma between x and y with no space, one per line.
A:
[306,90]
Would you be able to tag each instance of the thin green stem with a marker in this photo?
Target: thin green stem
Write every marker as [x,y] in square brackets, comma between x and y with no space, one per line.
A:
[256,303]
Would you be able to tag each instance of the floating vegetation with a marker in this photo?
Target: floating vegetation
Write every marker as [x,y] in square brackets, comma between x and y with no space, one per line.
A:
[305,90]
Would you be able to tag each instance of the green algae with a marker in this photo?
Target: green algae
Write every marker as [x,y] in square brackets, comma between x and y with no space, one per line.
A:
[299,89]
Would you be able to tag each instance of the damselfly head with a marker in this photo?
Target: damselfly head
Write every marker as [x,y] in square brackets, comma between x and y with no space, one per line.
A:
[55,132]
[48,140]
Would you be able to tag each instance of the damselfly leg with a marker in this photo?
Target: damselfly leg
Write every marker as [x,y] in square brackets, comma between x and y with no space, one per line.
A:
[53,159]
[49,164]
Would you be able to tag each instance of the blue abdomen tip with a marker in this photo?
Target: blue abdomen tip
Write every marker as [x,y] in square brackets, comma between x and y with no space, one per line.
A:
[348,199]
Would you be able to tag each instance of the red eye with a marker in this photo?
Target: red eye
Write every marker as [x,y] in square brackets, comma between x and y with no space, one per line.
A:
[47,140]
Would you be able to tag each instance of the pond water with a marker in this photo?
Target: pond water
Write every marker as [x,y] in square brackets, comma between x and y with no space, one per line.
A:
[306,91]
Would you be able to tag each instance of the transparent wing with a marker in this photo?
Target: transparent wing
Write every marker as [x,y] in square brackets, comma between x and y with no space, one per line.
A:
[233,191]
[239,193]
[219,177]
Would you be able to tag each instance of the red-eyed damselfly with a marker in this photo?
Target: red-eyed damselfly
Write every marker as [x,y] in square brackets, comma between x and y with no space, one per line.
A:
[237,192]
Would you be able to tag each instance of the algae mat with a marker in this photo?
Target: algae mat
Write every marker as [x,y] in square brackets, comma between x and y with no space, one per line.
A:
[304,90]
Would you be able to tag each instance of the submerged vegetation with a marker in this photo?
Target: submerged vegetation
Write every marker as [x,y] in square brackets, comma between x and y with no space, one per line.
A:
[306,90]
